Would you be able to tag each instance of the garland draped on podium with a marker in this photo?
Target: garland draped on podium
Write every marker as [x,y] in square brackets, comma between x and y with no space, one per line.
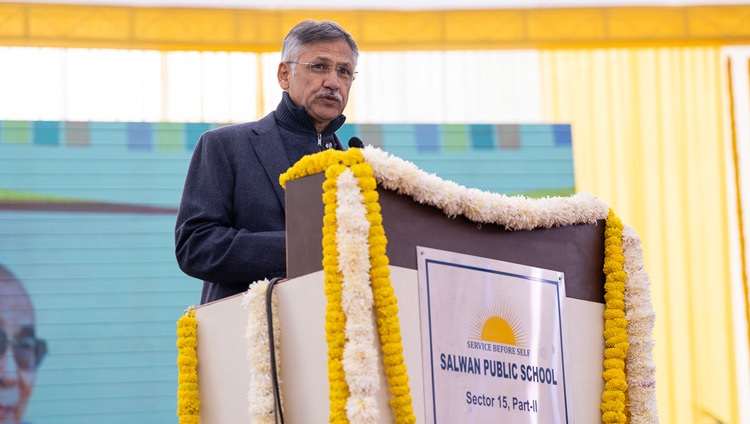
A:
[357,281]
[188,403]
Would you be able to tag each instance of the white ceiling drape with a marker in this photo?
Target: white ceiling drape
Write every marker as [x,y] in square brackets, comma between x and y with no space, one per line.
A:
[392,87]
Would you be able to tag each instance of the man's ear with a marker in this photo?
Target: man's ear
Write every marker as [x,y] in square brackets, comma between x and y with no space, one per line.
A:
[283,75]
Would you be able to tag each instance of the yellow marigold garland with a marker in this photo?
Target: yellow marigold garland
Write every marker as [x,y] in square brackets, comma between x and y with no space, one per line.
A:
[333,163]
[335,317]
[615,325]
[385,301]
[319,162]
[188,402]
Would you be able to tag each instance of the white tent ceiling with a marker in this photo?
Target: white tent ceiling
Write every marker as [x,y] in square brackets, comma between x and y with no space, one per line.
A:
[393,4]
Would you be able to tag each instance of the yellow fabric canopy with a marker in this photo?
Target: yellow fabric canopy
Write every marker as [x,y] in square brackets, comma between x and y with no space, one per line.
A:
[29,24]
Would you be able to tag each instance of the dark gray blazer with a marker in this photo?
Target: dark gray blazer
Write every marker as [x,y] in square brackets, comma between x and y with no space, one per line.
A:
[230,227]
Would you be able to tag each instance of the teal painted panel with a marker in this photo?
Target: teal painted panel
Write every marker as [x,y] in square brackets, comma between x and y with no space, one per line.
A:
[399,139]
[107,314]
[482,137]
[105,173]
[108,133]
[346,132]
[193,132]
[537,135]
[46,133]
[107,410]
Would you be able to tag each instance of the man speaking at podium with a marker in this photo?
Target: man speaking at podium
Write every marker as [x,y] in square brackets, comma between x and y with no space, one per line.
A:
[230,228]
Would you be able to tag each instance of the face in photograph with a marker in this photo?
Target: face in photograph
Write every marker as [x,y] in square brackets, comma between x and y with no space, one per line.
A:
[21,350]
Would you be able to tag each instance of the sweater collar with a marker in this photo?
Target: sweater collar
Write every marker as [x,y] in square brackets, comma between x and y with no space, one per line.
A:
[295,118]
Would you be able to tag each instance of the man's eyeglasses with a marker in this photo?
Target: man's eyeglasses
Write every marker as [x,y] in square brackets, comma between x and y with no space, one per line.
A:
[28,351]
[323,69]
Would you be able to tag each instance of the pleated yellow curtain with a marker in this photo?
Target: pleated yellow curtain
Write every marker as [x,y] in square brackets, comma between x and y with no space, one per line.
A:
[649,139]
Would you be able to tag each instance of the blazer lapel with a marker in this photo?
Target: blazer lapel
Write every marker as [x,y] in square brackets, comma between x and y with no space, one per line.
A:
[271,153]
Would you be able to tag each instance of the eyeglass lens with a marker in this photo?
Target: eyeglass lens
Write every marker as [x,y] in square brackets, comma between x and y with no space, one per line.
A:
[342,72]
[27,351]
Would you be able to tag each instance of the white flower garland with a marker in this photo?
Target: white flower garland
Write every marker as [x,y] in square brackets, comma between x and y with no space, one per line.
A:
[360,360]
[511,212]
[260,392]
[640,368]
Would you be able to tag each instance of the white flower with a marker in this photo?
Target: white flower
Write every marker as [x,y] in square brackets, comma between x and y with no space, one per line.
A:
[260,392]
[510,212]
[360,361]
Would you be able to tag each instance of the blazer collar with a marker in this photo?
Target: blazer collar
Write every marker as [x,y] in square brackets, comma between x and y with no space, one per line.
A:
[269,148]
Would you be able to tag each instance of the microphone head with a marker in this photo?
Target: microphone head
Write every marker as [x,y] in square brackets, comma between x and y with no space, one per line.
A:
[356,142]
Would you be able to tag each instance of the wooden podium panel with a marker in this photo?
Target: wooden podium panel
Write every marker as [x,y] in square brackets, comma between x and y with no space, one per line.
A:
[576,250]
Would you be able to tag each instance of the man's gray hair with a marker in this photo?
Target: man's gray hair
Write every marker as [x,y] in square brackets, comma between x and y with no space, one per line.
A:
[308,32]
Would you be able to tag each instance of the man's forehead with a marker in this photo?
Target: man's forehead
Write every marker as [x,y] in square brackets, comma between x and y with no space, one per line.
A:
[336,50]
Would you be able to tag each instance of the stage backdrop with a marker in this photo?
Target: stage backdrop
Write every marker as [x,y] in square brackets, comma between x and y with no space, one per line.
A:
[87,215]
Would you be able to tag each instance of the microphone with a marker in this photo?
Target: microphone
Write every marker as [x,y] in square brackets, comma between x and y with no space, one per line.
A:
[356,142]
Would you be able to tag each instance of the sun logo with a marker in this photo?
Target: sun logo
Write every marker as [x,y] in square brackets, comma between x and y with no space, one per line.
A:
[498,324]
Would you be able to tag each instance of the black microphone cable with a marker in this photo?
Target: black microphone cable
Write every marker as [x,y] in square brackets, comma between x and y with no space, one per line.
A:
[278,414]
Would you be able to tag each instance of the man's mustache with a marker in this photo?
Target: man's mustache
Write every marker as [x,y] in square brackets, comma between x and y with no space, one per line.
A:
[329,92]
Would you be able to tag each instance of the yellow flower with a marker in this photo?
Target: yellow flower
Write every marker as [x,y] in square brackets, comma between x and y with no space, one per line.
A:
[385,302]
[335,318]
[615,324]
[188,401]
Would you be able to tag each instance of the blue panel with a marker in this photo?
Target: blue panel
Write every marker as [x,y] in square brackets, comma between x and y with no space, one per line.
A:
[482,137]
[428,138]
[140,136]
[46,132]
[563,136]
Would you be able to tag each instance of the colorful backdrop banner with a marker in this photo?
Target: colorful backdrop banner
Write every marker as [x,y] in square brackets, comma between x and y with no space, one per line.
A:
[87,212]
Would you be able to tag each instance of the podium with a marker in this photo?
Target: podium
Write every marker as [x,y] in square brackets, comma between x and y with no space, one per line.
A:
[223,374]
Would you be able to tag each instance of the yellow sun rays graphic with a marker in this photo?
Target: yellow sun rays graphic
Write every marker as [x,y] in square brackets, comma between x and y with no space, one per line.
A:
[497,322]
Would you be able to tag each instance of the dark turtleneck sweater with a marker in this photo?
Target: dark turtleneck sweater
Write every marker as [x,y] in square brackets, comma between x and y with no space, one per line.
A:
[299,134]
